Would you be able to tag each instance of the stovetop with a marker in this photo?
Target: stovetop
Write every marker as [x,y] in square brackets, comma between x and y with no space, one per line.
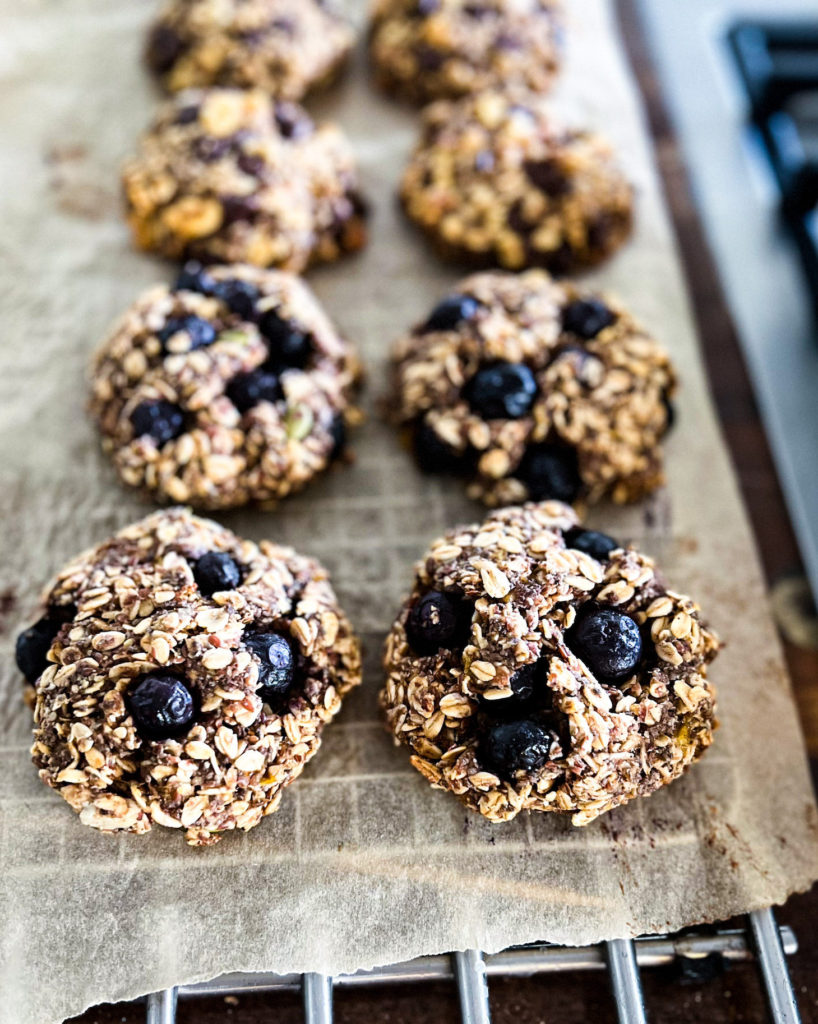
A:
[741,81]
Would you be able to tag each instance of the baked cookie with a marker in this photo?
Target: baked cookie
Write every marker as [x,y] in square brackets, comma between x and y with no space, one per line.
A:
[539,666]
[230,387]
[532,388]
[228,175]
[286,47]
[496,180]
[183,676]
[440,49]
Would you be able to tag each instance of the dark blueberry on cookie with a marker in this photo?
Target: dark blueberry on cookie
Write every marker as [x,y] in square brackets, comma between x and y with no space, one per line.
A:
[292,122]
[550,472]
[436,621]
[32,647]
[434,455]
[241,210]
[502,391]
[526,681]
[591,542]
[548,177]
[161,706]
[276,671]
[201,332]
[209,149]
[511,747]
[288,346]
[450,313]
[608,641]
[248,389]
[241,296]
[215,571]
[165,47]
[194,278]
[587,317]
[163,421]
[338,433]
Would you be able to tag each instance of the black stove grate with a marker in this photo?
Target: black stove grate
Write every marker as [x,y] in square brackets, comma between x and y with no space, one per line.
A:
[778,66]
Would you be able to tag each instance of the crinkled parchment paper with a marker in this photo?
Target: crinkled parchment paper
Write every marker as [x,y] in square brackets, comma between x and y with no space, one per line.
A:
[364,864]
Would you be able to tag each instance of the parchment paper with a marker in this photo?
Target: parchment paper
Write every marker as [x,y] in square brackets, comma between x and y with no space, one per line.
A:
[364,864]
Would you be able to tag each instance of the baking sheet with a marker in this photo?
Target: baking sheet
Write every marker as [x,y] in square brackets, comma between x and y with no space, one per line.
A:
[363,864]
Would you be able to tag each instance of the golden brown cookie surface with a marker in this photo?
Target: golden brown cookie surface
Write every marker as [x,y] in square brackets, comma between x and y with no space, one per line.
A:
[228,175]
[232,387]
[531,388]
[496,180]
[188,677]
[538,666]
[439,49]
[286,47]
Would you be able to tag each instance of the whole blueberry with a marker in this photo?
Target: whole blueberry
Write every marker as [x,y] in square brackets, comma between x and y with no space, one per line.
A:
[163,421]
[519,746]
[201,332]
[434,455]
[161,706]
[288,345]
[32,647]
[587,317]
[248,389]
[529,693]
[597,545]
[551,472]
[240,296]
[450,313]
[436,621]
[608,641]
[215,571]
[502,391]
[338,433]
[194,278]
[276,671]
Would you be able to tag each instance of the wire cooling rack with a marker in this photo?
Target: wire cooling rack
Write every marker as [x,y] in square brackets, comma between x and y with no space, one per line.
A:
[761,940]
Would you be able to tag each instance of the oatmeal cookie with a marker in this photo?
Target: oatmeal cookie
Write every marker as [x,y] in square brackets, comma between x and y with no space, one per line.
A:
[532,388]
[230,387]
[425,50]
[182,676]
[227,175]
[286,47]
[495,180]
[539,666]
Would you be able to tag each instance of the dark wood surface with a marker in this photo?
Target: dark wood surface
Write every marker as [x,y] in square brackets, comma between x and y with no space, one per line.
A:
[735,994]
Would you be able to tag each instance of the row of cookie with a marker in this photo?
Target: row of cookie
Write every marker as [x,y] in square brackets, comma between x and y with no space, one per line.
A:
[233,387]
[419,49]
[230,175]
[181,676]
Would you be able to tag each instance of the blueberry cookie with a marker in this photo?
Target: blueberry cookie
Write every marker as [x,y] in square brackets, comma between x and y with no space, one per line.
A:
[182,676]
[230,387]
[286,47]
[531,388]
[540,666]
[227,175]
[495,180]
[441,49]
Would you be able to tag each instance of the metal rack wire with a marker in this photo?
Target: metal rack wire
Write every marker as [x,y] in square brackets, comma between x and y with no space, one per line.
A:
[762,941]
